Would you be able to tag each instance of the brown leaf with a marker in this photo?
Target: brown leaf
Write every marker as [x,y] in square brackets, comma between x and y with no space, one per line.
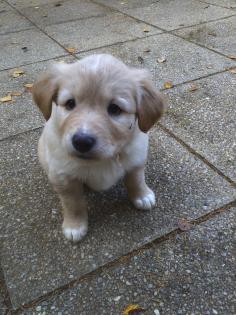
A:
[146,30]
[212,34]
[132,308]
[16,73]
[233,70]
[28,86]
[147,50]
[71,50]
[6,98]
[168,85]
[184,225]
[15,93]
[193,88]
[232,56]
[161,59]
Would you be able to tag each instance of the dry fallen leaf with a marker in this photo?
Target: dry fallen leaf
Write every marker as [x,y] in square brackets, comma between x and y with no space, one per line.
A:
[161,59]
[232,56]
[71,50]
[5,99]
[16,73]
[168,85]
[212,34]
[193,88]
[146,30]
[15,93]
[233,70]
[132,308]
[147,50]
[28,86]
[184,225]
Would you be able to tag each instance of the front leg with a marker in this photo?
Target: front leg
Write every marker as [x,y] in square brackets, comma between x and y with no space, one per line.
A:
[75,217]
[139,193]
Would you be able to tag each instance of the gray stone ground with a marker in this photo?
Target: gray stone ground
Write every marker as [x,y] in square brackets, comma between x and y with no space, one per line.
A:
[129,256]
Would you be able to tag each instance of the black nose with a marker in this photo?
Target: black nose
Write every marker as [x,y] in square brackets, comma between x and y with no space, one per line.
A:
[83,142]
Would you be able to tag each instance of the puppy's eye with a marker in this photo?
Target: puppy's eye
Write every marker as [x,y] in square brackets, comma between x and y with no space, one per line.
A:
[114,110]
[70,104]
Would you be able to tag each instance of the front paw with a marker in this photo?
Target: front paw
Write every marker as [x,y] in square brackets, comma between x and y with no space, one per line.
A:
[145,202]
[75,232]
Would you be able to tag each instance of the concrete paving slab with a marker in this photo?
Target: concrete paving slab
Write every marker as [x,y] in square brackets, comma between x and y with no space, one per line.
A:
[39,47]
[21,114]
[191,274]
[2,305]
[2,308]
[4,6]
[130,4]
[3,294]
[93,33]
[170,15]
[19,4]
[225,3]
[11,21]
[205,119]
[219,35]
[184,61]
[30,226]
[70,10]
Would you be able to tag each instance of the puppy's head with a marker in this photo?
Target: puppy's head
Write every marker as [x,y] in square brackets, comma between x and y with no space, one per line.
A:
[97,104]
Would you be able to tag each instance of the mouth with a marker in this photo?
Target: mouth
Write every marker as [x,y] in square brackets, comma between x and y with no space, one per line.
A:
[85,156]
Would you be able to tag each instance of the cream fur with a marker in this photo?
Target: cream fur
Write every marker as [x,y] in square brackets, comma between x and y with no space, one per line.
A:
[121,148]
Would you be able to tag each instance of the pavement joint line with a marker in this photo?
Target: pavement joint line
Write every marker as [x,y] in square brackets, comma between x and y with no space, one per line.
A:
[75,55]
[198,155]
[199,78]
[171,32]
[58,43]
[118,43]
[132,17]
[125,258]
[199,44]
[39,28]
[121,42]
[21,30]
[216,5]
[201,23]
[116,10]
[36,62]
[77,19]
[32,6]
[21,133]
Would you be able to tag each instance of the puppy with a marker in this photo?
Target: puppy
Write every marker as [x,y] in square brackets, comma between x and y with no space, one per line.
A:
[98,111]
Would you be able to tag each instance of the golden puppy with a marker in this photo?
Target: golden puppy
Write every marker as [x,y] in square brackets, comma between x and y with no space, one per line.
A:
[98,111]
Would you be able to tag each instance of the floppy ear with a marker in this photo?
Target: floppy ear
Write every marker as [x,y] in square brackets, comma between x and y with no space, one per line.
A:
[44,92]
[150,103]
